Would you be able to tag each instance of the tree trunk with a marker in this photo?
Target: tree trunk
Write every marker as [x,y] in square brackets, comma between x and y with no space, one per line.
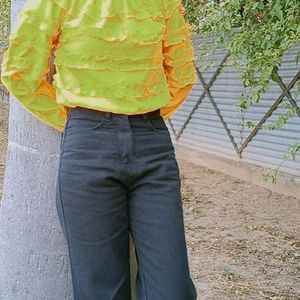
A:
[33,254]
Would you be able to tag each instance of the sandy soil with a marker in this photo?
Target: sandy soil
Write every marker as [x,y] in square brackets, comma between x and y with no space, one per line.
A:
[243,241]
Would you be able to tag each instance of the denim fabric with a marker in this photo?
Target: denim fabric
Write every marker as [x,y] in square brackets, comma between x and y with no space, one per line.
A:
[118,174]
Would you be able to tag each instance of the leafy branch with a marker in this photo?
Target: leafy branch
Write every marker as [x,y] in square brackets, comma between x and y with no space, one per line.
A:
[256,33]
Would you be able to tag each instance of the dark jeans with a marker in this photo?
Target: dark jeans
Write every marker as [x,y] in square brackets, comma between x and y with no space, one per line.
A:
[118,174]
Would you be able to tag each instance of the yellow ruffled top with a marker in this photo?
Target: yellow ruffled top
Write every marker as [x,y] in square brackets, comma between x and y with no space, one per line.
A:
[123,56]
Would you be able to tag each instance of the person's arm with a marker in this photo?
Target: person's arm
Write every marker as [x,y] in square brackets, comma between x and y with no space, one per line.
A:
[178,62]
[26,61]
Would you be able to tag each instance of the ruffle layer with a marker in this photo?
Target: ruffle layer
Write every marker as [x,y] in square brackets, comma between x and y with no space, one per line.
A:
[124,89]
[136,9]
[133,9]
[137,22]
[182,76]
[137,37]
[170,6]
[26,60]
[113,84]
[116,92]
[125,105]
[177,36]
[179,53]
[143,32]
[140,22]
[63,4]
[21,50]
[45,15]
[109,62]
[177,29]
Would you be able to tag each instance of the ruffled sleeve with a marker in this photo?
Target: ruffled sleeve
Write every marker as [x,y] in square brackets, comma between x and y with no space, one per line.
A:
[178,55]
[26,61]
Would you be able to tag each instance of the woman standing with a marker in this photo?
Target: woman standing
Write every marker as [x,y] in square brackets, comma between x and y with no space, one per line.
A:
[123,67]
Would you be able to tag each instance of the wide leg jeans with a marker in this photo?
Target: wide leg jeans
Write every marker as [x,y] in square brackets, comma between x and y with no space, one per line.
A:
[118,174]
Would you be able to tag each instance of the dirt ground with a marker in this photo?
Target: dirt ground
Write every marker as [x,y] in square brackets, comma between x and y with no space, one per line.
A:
[243,240]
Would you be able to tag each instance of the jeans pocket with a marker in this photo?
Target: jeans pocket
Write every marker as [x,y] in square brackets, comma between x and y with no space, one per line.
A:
[82,123]
[157,124]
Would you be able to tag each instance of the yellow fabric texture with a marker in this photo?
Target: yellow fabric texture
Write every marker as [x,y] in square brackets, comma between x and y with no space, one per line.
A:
[123,56]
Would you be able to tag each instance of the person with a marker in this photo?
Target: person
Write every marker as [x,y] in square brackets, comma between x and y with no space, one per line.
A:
[122,69]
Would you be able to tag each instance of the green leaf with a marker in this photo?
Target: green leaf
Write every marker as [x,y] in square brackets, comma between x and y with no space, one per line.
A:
[256,97]
[298,57]
[227,25]
[278,11]
[274,76]
[261,5]
[250,124]
[246,82]
[294,149]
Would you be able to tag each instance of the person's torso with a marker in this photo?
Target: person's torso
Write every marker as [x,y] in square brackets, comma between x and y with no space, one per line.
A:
[113,48]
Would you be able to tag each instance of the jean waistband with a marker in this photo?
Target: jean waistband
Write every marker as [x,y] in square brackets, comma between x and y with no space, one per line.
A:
[79,110]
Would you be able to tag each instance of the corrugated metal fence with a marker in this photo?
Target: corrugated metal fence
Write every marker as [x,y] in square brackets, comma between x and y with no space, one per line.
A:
[209,120]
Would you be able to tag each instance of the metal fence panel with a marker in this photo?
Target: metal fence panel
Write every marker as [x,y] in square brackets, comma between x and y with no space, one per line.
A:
[211,123]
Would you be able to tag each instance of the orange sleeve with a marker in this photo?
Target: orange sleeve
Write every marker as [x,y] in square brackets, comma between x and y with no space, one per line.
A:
[178,62]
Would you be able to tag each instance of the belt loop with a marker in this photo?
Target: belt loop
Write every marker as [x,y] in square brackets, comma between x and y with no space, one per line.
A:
[145,117]
[107,115]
